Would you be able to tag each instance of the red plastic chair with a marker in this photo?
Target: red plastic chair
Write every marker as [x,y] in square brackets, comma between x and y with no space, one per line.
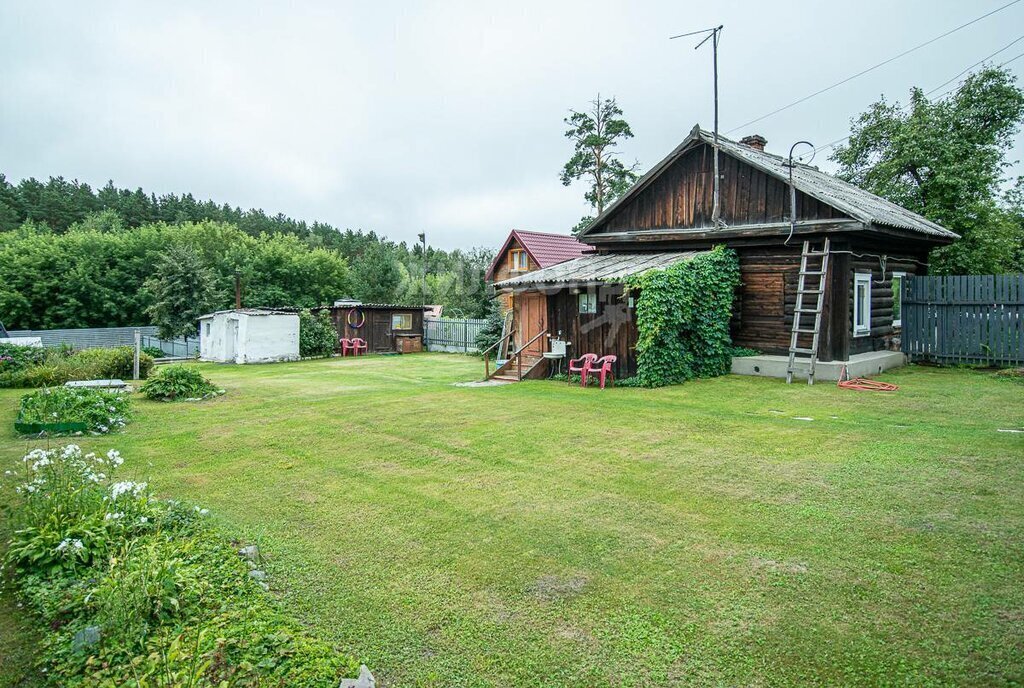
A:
[581,365]
[346,346]
[602,368]
[359,346]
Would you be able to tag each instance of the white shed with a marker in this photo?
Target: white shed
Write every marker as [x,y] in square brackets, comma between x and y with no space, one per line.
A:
[249,335]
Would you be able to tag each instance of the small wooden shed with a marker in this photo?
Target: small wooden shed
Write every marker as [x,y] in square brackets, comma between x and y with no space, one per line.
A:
[385,327]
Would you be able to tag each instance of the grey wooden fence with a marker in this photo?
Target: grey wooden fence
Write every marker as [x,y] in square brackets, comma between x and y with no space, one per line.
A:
[98,337]
[964,319]
[88,337]
[451,334]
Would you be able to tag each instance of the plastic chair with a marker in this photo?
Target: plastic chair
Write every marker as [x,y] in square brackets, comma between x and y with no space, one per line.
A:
[581,365]
[346,346]
[602,368]
[359,346]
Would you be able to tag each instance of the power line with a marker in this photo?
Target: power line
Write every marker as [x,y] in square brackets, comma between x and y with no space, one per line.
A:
[817,149]
[984,59]
[872,68]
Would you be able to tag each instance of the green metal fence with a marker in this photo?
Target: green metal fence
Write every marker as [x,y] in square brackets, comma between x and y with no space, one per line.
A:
[964,319]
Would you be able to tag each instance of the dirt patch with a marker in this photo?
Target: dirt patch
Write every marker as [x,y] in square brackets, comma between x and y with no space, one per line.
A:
[554,588]
[778,566]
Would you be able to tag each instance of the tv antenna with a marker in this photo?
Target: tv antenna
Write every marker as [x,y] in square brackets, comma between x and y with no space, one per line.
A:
[712,35]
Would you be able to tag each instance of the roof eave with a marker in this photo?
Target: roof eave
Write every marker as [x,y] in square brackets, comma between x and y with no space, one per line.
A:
[740,231]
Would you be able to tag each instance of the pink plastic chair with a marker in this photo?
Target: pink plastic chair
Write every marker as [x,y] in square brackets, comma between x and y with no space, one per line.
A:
[359,346]
[581,365]
[346,346]
[602,368]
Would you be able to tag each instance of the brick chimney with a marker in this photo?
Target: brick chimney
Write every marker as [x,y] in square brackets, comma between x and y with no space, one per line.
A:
[755,141]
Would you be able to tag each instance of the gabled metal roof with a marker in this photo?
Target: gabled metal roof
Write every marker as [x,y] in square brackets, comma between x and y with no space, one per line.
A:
[859,204]
[544,248]
[598,267]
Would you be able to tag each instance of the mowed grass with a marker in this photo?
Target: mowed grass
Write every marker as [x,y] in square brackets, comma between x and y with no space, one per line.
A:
[540,534]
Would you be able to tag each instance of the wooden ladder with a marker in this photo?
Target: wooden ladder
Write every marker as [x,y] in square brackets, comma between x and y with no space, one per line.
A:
[802,312]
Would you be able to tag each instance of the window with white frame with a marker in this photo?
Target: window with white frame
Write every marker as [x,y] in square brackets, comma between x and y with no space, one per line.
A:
[861,304]
[517,260]
[897,298]
[588,302]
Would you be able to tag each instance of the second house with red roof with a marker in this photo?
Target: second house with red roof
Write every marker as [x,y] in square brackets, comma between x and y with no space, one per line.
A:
[525,252]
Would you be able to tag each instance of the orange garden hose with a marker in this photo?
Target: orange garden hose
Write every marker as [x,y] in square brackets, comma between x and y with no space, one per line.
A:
[863,384]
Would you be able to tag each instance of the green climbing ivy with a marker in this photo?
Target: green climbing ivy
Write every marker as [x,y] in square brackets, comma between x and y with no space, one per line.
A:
[682,315]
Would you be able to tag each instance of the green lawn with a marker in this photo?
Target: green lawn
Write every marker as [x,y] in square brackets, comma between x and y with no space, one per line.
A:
[540,534]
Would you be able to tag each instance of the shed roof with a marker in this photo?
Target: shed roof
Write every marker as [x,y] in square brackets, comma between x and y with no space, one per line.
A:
[599,267]
[379,306]
[852,200]
[546,249]
[253,311]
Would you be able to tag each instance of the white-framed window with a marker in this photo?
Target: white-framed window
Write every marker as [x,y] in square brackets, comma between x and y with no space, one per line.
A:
[861,304]
[897,298]
[517,260]
[401,321]
[206,329]
[588,302]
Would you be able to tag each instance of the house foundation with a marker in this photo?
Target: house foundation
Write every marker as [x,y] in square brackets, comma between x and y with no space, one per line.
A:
[858,365]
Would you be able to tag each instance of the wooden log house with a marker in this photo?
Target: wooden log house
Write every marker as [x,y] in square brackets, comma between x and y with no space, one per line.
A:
[667,215]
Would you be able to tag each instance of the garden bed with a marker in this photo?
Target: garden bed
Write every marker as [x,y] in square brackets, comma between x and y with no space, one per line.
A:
[67,410]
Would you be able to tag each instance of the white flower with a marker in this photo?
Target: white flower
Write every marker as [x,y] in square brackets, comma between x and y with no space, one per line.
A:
[114,457]
[77,544]
[125,487]
[143,519]
[113,516]
[63,545]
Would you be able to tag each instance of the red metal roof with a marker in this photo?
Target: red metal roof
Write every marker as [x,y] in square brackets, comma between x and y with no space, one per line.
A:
[544,248]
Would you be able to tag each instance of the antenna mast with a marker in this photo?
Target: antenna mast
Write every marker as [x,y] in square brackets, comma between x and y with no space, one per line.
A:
[713,34]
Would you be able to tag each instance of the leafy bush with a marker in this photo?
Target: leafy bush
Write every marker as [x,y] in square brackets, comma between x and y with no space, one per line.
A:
[154,351]
[490,333]
[317,334]
[744,352]
[59,365]
[179,382]
[682,315]
[14,357]
[172,601]
[101,410]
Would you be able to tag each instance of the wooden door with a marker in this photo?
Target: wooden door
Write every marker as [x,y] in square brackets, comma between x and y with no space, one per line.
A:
[381,338]
[533,319]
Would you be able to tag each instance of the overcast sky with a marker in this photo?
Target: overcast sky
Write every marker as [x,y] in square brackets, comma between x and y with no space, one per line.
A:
[442,117]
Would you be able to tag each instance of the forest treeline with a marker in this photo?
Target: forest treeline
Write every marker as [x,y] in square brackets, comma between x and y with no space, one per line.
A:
[72,256]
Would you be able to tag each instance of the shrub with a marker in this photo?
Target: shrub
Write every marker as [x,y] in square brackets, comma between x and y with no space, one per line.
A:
[317,335]
[683,314]
[173,602]
[100,410]
[175,382]
[117,362]
[154,351]
[14,357]
[490,333]
[59,365]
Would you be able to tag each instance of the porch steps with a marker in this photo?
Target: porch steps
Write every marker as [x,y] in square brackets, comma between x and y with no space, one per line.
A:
[815,292]
[510,371]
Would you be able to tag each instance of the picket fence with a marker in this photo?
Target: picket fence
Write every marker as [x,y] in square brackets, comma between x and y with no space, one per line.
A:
[964,319]
[451,334]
